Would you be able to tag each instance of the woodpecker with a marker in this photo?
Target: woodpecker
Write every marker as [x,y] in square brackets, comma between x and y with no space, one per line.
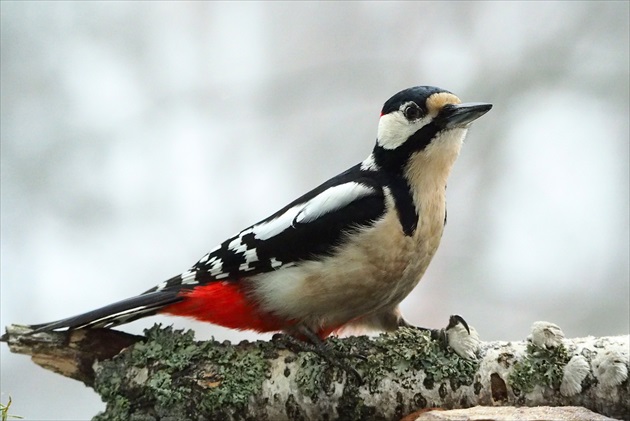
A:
[344,254]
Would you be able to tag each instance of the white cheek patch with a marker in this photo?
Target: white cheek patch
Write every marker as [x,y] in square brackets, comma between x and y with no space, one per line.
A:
[394,129]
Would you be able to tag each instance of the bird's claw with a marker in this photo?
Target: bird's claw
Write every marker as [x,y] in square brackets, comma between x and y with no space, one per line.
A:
[456,319]
[457,335]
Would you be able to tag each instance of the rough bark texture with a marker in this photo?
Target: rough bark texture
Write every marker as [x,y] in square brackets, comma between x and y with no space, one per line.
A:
[167,375]
[509,413]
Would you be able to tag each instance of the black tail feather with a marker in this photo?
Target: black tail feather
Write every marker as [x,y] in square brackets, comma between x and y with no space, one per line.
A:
[115,314]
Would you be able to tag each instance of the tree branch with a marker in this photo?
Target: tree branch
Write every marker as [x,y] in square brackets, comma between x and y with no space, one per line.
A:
[71,354]
[168,374]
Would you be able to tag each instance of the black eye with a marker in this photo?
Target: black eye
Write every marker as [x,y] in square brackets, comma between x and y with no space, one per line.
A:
[412,112]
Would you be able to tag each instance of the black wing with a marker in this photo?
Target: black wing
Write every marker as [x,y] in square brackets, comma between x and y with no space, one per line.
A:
[309,227]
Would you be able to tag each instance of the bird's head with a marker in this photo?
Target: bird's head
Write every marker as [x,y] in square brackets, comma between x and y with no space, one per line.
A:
[423,120]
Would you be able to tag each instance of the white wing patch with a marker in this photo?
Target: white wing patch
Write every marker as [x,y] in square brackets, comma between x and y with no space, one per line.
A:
[327,201]
[274,227]
[216,266]
[250,256]
[237,245]
[275,263]
[332,199]
[188,278]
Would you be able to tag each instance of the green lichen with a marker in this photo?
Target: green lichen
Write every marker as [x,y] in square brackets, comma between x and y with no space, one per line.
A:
[174,376]
[308,378]
[231,376]
[540,366]
[400,353]
[411,349]
[117,410]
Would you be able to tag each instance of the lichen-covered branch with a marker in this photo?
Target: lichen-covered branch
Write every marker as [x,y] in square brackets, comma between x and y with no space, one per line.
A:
[169,374]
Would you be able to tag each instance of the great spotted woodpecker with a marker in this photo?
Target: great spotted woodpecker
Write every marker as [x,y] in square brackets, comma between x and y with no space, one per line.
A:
[345,253]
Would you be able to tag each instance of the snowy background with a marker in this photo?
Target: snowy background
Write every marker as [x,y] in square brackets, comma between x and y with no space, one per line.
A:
[137,136]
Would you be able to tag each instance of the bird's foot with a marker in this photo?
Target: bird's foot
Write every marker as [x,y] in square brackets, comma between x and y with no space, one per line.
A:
[315,345]
[457,335]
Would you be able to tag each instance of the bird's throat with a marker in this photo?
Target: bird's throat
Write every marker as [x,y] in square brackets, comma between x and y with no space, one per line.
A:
[427,173]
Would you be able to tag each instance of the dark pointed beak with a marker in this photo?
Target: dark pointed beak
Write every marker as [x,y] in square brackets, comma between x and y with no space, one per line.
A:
[461,115]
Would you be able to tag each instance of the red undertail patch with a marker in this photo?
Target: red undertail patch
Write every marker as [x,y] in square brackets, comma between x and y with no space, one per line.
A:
[225,304]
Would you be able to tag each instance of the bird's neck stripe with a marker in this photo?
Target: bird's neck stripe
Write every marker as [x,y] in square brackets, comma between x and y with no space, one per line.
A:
[408,214]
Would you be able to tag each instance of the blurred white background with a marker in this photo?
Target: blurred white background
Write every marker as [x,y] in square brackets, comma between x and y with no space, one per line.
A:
[138,135]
